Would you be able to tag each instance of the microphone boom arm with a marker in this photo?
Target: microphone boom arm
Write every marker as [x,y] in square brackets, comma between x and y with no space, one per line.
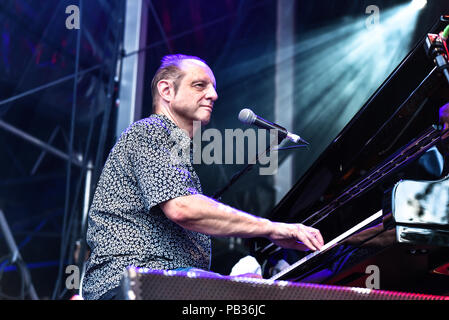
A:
[217,195]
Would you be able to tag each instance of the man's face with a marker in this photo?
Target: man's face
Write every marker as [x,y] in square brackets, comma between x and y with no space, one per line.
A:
[196,93]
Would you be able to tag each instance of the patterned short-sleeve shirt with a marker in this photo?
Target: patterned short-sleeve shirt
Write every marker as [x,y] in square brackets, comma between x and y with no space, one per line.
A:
[126,225]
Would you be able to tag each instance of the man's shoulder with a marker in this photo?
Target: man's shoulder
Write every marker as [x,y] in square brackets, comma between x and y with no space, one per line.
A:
[154,125]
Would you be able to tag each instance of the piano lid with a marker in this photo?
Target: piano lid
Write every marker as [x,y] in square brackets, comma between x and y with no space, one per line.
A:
[402,107]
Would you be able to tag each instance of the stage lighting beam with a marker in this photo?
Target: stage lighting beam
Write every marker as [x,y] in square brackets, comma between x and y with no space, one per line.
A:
[418,4]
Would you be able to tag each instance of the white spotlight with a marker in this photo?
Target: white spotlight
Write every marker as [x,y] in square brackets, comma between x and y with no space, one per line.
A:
[418,4]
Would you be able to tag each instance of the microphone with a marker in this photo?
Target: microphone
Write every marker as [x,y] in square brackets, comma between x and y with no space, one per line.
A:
[436,48]
[247,116]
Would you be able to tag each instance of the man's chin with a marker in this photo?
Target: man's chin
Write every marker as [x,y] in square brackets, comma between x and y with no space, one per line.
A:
[205,121]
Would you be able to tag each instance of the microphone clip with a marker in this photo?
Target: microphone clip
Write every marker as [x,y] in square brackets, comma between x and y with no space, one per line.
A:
[436,49]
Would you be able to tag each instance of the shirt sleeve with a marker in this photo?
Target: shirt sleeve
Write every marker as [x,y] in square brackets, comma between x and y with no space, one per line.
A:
[159,175]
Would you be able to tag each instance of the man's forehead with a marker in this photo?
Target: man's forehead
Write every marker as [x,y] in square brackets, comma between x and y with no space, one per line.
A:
[193,64]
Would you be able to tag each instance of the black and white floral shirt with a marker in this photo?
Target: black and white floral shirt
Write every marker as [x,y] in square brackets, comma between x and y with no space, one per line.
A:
[126,226]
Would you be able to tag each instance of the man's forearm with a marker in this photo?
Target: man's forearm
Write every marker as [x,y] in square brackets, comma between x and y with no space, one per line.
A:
[205,215]
[202,214]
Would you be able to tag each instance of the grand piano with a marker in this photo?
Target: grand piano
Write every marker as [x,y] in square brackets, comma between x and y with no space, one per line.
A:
[370,195]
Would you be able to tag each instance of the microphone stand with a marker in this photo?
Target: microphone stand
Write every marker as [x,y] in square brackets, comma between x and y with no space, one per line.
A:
[281,138]
[217,195]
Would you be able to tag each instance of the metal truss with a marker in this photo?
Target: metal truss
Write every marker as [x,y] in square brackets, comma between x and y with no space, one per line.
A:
[74,224]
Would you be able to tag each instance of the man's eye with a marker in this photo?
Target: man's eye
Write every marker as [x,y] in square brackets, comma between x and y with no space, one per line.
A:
[199,85]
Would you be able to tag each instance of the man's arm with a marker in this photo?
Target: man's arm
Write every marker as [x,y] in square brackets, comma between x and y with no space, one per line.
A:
[205,215]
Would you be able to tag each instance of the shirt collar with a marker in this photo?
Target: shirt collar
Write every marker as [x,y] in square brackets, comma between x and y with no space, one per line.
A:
[170,124]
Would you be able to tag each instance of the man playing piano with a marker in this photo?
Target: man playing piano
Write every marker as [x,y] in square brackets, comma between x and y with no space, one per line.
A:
[150,212]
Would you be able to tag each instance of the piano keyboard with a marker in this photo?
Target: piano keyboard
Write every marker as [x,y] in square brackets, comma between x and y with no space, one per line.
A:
[328,245]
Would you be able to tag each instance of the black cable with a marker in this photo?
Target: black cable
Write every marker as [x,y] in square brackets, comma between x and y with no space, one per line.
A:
[2,268]
[25,278]
[61,295]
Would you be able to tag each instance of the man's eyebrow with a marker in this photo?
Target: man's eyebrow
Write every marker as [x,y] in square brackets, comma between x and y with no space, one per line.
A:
[202,80]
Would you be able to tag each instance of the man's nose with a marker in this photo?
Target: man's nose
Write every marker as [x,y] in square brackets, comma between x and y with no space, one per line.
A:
[212,94]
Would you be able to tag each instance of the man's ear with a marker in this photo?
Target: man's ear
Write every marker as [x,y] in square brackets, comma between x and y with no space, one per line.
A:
[166,90]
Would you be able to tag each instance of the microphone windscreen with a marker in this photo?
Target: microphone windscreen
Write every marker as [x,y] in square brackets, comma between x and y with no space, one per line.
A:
[247,116]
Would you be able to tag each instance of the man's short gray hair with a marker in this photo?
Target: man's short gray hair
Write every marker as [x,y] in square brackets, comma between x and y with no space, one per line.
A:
[170,69]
